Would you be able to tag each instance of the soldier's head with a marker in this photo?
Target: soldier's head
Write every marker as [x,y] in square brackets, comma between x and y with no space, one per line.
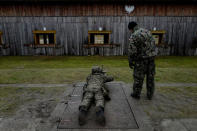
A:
[97,70]
[131,26]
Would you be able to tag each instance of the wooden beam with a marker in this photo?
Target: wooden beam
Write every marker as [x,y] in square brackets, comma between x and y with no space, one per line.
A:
[40,31]
[158,31]
[99,32]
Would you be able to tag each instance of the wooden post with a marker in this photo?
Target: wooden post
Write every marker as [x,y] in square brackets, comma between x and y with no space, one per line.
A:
[35,42]
[88,38]
[1,40]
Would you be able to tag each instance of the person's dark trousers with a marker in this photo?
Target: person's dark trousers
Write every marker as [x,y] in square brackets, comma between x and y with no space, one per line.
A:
[142,68]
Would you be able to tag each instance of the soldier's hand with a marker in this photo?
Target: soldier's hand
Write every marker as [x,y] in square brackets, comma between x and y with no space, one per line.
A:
[131,65]
[131,62]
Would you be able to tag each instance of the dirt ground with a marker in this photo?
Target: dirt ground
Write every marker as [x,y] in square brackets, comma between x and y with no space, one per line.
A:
[33,107]
[170,103]
[29,108]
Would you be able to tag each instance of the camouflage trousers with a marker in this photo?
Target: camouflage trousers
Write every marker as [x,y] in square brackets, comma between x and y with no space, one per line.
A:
[90,97]
[144,68]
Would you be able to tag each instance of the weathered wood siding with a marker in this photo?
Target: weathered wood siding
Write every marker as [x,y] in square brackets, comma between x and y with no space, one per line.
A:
[72,22]
[72,33]
[97,9]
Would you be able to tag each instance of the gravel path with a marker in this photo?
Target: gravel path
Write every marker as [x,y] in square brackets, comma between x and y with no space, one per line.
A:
[63,85]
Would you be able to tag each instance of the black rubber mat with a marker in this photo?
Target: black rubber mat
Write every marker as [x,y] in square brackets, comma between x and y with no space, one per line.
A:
[118,111]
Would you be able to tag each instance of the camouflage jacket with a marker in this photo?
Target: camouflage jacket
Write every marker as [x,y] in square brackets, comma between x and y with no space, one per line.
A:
[95,82]
[141,44]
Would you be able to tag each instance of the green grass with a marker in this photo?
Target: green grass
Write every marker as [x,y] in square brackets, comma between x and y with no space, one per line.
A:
[69,69]
[60,62]
[168,102]
[176,62]
[70,75]
[18,62]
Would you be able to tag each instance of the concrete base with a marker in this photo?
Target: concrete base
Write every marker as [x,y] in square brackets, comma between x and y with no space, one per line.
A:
[121,112]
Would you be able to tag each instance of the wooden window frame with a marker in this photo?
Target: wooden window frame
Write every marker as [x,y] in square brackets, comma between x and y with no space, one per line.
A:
[37,32]
[1,38]
[94,45]
[161,34]
[95,32]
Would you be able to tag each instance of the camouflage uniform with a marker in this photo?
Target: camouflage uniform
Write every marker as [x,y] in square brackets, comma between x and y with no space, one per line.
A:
[141,56]
[95,89]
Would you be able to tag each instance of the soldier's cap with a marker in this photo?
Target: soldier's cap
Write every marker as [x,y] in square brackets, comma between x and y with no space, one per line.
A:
[132,24]
[97,69]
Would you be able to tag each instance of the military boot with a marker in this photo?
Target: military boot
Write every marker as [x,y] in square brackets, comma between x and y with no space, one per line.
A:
[100,117]
[135,96]
[82,116]
[137,87]
[149,94]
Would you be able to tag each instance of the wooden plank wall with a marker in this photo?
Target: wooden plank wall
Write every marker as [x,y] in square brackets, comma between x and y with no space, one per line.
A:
[72,22]
[97,10]
[72,32]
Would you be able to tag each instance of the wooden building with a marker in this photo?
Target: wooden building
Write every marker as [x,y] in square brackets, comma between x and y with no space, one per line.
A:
[71,20]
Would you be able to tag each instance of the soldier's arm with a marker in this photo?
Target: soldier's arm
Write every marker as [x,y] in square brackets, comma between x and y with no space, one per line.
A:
[106,93]
[86,84]
[108,78]
[105,90]
[88,78]
[132,49]
[131,62]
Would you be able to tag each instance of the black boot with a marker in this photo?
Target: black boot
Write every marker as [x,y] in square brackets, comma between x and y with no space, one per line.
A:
[137,88]
[100,117]
[135,96]
[149,95]
[82,116]
[150,92]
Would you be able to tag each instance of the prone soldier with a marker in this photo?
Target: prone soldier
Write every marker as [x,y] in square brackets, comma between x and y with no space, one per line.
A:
[94,91]
[141,54]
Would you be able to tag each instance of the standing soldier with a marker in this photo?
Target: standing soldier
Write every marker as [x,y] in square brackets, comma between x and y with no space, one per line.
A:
[94,91]
[141,53]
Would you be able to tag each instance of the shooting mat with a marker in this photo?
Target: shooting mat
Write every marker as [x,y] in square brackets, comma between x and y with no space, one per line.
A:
[118,111]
